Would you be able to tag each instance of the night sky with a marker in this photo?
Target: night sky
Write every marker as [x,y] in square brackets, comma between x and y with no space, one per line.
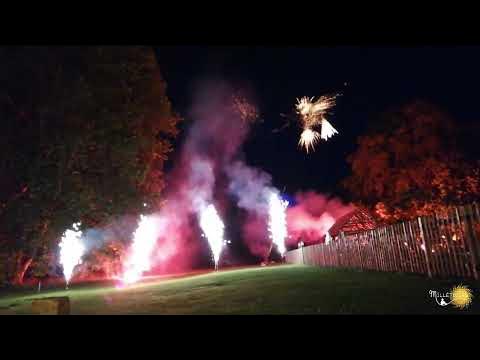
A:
[372,80]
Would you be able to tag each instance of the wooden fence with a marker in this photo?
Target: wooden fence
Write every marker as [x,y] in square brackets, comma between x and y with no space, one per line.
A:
[443,245]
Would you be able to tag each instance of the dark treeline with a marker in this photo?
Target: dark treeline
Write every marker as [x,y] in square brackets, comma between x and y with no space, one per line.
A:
[84,135]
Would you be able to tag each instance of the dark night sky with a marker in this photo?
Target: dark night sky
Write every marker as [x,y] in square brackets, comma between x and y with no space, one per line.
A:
[377,79]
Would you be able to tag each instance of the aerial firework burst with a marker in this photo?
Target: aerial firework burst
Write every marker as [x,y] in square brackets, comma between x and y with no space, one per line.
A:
[312,113]
[144,240]
[213,228]
[277,225]
[71,251]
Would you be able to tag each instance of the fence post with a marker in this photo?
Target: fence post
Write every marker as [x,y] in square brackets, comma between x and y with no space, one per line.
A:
[470,236]
[463,236]
[427,248]
[342,250]
[408,252]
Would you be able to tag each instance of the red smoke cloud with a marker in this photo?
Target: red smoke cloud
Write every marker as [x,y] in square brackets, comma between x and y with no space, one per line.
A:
[314,214]
[255,235]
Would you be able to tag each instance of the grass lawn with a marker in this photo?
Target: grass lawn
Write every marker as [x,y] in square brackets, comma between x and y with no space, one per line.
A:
[287,289]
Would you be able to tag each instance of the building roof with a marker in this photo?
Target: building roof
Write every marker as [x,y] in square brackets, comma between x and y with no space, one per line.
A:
[355,221]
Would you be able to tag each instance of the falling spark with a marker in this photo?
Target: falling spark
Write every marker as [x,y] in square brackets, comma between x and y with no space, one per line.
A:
[312,113]
[277,221]
[308,139]
[144,240]
[71,251]
[248,112]
[327,130]
[213,228]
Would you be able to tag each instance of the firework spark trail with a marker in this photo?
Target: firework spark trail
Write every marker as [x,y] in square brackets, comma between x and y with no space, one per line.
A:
[277,225]
[312,113]
[213,228]
[144,240]
[71,251]
[327,130]
[308,139]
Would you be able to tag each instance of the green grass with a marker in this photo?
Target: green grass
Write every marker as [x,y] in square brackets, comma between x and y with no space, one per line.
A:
[288,289]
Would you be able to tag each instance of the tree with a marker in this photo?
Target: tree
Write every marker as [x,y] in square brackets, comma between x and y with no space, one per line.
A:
[411,164]
[85,132]
[44,264]
[105,261]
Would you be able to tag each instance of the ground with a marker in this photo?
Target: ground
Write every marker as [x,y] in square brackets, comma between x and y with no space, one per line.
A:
[286,289]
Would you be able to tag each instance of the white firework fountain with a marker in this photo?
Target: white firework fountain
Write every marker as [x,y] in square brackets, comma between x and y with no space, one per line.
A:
[277,225]
[213,228]
[71,251]
[144,240]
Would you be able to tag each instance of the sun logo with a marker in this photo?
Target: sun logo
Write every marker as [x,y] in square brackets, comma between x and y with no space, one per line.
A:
[461,296]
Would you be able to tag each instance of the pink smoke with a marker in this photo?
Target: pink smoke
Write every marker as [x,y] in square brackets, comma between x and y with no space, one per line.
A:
[255,235]
[212,141]
[312,217]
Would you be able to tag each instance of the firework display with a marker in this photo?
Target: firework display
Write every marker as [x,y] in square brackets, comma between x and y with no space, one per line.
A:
[127,175]
[163,236]
[144,240]
[277,224]
[312,114]
[213,228]
[71,251]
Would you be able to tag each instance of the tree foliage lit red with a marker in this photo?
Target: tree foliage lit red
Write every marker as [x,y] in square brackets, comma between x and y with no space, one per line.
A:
[412,163]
